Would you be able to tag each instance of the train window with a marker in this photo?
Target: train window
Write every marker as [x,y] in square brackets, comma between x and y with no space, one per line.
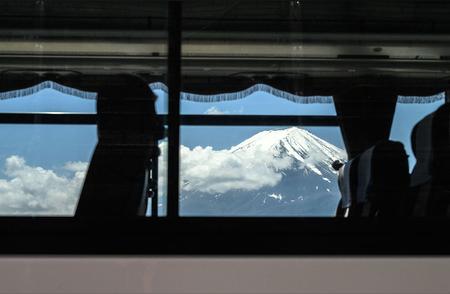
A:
[408,112]
[253,141]
[259,171]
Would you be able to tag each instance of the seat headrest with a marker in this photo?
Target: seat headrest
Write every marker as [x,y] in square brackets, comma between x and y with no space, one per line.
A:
[381,168]
[430,140]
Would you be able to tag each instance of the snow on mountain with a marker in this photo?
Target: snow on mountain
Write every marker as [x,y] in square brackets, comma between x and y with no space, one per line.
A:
[277,172]
[312,152]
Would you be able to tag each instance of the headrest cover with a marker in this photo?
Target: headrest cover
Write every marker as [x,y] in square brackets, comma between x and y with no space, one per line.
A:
[430,140]
[381,168]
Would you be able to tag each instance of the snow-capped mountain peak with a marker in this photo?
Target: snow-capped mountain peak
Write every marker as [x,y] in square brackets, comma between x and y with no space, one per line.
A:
[305,148]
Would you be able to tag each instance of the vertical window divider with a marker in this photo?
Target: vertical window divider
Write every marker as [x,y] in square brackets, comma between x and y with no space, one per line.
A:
[174,85]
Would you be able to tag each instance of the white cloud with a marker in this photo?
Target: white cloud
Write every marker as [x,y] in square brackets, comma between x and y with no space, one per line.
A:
[76,166]
[217,111]
[30,190]
[214,110]
[219,171]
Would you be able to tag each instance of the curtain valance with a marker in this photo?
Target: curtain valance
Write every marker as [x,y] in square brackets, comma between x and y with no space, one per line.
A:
[209,98]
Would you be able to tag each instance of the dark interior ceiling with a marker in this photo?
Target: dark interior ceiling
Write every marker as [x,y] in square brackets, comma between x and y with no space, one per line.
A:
[341,16]
[323,38]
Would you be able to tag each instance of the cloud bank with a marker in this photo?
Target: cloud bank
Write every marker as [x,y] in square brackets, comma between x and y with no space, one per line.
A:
[29,190]
[204,169]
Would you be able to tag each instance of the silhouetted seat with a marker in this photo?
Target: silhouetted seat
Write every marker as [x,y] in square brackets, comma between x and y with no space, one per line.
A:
[376,182]
[116,183]
[430,180]
[347,176]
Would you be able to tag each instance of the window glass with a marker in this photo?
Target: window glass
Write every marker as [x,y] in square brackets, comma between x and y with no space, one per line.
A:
[43,168]
[406,116]
[50,155]
[259,171]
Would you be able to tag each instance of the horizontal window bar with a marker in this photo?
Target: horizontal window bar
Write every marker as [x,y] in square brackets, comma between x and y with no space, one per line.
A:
[214,120]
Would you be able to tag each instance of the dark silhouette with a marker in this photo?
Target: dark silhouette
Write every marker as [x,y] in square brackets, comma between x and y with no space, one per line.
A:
[337,164]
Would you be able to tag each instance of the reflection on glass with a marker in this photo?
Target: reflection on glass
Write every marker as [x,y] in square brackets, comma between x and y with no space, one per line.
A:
[259,171]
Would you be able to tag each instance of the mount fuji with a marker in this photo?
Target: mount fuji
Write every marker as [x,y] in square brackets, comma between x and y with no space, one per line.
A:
[284,172]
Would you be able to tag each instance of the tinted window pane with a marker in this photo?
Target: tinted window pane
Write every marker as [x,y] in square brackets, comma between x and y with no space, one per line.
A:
[259,171]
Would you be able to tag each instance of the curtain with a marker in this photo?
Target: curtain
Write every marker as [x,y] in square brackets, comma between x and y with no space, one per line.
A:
[211,97]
